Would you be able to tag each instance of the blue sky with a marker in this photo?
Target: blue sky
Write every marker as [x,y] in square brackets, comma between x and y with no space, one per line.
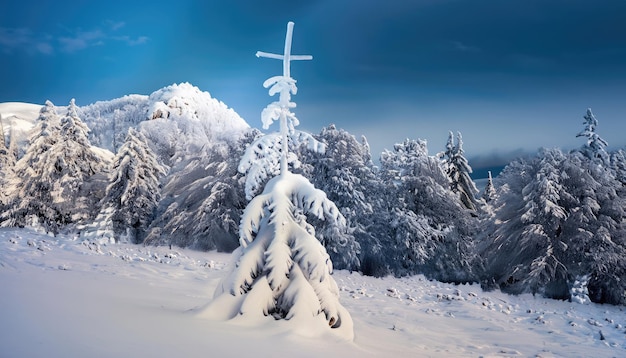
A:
[509,75]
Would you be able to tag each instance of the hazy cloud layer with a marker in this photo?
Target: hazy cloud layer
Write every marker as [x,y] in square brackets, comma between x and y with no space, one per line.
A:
[71,40]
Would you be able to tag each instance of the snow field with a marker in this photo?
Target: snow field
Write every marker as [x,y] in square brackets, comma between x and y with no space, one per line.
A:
[65,297]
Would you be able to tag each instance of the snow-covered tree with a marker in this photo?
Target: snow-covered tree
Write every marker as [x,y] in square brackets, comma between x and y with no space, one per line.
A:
[7,160]
[346,174]
[458,170]
[595,146]
[7,163]
[522,254]
[618,165]
[597,236]
[558,217]
[3,145]
[203,201]
[281,269]
[490,191]
[28,197]
[430,231]
[51,183]
[134,190]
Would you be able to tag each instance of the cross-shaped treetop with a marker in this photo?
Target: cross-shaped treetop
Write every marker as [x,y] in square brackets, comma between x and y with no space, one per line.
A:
[286,57]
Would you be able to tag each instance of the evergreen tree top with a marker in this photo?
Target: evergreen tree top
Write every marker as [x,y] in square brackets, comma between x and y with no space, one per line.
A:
[72,109]
[595,146]
[46,110]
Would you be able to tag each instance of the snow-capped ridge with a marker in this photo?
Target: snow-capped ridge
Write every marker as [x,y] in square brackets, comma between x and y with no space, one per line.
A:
[192,119]
[18,119]
[178,119]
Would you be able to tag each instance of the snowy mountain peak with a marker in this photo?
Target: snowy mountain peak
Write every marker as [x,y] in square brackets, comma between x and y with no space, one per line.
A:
[182,99]
[178,120]
[183,120]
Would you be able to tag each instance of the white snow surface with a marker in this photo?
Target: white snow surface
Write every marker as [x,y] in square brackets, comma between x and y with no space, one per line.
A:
[18,119]
[63,297]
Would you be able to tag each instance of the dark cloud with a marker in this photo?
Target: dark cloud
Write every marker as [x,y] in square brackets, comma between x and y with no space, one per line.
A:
[507,74]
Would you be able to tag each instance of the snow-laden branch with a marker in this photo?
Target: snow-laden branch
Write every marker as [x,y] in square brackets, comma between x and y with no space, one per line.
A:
[280,84]
[261,159]
[285,189]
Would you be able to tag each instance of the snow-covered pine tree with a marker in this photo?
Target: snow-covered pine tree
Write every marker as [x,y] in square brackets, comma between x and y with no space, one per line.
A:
[595,234]
[618,165]
[558,216]
[7,162]
[134,189]
[524,252]
[6,159]
[204,213]
[28,196]
[346,174]
[430,231]
[490,191]
[595,146]
[459,170]
[51,183]
[79,169]
[281,269]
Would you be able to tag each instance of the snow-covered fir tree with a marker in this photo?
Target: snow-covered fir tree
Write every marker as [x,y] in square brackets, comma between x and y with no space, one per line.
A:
[558,217]
[134,190]
[281,269]
[618,165]
[7,160]
[80,168]
[203,201]
[458,170]
[423,228]
[51,184]
[346,173]
[7,163]
[28,198]
[595,227]
[595,146]
[3,145]
[490,191]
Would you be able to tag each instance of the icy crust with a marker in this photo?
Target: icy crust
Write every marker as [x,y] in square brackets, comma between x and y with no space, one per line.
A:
[281,269]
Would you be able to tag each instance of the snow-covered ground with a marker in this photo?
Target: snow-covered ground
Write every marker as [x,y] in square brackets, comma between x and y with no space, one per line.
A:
[62,297]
